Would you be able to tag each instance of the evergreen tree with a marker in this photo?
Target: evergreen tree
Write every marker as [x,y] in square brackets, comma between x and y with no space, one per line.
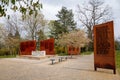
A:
[64,24]
[55,29]
[66,19]
[41,35]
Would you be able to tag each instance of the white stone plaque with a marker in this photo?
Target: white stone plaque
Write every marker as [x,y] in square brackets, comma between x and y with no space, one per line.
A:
[39,53]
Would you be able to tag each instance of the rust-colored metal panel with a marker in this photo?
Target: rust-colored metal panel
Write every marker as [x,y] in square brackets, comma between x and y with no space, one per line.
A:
[48,46]
[104,50]
[73,50]
[27,47]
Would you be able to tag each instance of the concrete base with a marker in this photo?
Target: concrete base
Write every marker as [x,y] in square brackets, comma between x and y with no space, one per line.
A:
[35,57]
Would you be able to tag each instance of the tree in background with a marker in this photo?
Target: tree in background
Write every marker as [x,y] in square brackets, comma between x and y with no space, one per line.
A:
[12,36]
[41,35]
[9,41]
[33,25]
[117,43]
[23,6]
[95,12]
[76,38]
[2,35]
[64,24]
[13,25]
[66,19]
[55,29]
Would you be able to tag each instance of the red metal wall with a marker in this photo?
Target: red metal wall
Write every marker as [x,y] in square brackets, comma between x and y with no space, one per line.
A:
[48,46]
[73,50]
[27,47]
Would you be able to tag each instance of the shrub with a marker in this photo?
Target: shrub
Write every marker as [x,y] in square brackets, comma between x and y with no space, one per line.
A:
[60,50]
[4,52]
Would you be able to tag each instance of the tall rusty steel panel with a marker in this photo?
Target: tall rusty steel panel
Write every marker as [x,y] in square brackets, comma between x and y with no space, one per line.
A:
[48,46]
[104,49]
[27,47]
[73,50]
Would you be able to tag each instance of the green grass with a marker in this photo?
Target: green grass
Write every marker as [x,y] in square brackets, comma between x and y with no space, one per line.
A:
[118,60]
[9,56]
[86,53]
[62,54]
[83,53]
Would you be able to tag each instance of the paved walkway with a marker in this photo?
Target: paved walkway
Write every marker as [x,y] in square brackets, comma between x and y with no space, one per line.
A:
[79,68]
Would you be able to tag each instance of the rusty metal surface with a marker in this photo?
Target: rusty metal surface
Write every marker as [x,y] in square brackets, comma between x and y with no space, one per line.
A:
[27,47]
[104,50]
[73,50]
[48,46]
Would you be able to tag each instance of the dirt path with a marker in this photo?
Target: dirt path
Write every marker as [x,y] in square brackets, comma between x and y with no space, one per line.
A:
[80,68]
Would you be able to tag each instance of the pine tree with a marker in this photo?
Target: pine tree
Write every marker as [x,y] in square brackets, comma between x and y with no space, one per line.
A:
[55,29]
[66,19]
[64,24]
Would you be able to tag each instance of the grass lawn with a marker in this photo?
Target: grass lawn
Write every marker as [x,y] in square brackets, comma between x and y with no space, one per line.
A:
[87,53]
[62,54]
[118,60]
[83,53]
[9,56]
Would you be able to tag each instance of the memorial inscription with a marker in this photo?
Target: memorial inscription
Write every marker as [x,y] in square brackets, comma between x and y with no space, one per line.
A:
[48,46]
[102,40]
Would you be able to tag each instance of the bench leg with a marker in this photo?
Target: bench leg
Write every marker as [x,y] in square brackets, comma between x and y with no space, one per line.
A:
[52,62]
[59,60]
[66,58]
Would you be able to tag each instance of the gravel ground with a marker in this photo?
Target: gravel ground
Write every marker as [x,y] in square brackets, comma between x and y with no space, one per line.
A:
[78,68]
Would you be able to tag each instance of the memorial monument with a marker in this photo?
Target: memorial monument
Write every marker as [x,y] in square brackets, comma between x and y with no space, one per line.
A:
[104,49]
[73,50]
[27,47]
[47,46]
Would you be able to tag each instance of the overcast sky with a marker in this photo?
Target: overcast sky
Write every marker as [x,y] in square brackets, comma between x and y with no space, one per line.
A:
[51,8]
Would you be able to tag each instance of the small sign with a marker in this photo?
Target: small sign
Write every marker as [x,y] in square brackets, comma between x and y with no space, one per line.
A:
[39,53]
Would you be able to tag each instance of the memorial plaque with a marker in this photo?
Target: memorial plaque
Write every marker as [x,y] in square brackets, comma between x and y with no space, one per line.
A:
[104,50]
[39,53]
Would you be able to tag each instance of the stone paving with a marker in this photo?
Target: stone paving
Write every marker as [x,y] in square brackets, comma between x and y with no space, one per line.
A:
[78,68]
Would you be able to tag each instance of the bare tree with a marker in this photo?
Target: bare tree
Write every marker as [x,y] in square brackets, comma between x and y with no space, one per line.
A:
[12,35]
[2,35]
[13,24]
[95,12]
[33,25]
